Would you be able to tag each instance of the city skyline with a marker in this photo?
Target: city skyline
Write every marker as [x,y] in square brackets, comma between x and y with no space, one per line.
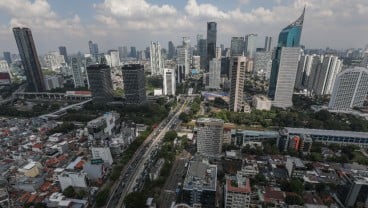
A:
[113,23]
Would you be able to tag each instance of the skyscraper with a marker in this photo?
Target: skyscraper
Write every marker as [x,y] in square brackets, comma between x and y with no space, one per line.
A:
[93,50]
[284,66]
[268,43]
[133,52]
[350,89]
[169,82]
[209,136]
[77,72]
[171,50]
[123,52]
[157,65]
[7,57]
[29,57]
[326,76]
[211,41]
[214,74]
[237,78]
[62,51]
[100,83]
[134,83]
[237,46]
[250,45]
[202,52]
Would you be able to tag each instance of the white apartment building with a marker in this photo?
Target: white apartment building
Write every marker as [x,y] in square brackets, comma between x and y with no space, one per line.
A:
[169,82]
[103,153]
[209,136]
[237,78]
[74,179]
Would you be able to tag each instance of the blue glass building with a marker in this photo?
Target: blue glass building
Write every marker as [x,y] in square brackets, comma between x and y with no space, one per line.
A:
[288,37]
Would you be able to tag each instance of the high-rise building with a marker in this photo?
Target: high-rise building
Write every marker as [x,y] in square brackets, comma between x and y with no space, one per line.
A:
[214,74]
[331,66]
[202,52]
[133,52]
[100,83]
[63,52]
[199,187]
[182,59]
[237,79]
[250,45]
[53,60]
[134,83]
[196,62]
[237,191]
[29,57]
[169,82]
[263,64]
[353,189]
[157,65]
[268,43]
[209,136]
[285,64]
[237,46]
[211,42]
[115,60]
[93,50]
[171,52]
[7,57]
[77,72]
[350,89]
[123,52]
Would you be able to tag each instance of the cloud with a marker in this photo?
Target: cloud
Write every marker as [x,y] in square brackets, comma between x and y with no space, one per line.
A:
[335,23]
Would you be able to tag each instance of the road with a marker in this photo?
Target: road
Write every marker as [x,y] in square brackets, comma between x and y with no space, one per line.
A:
[131,174]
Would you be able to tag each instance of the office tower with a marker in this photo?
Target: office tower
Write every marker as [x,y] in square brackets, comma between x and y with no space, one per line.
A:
[93,50]
[29,57]
[114,58]
[7,57]
[218,53]
[285,64]
[304,71]
[209,136]
[53,82]
[263,64]
[237,191]
[169,82]
[250,45]
[62,51]
[157,65]
[133,52]
[53,60]
[100,83]
[225,66]
[352,189]
[331,66]
[182,69]
[196,62]
[268,43]
[350,89]
[4,66]
[199,37]
[134,83]
[123,52]
[202,52]
[237,79]
[214,74]
[199,187]
[211,42]
[77,72]
[314,73]
[171,50]
[237,46]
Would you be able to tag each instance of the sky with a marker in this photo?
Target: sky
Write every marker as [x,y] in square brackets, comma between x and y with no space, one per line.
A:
[112,23]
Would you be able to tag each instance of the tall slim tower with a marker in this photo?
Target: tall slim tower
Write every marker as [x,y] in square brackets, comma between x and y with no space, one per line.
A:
[28,54]
[285,64]
[237,77]
[211,41]
[237,46]
[77,72]
[268,43]
[62,51]
[157,65]
[7,57]
[250,45]
[171,50]
[169,82]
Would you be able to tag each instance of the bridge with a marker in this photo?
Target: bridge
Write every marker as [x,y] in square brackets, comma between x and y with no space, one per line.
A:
[47,96]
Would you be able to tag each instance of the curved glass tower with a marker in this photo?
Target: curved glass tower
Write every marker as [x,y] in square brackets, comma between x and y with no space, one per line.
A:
[288,37]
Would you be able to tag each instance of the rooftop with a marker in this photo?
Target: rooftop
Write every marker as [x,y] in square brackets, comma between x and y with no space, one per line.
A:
[336,133]
[201,176]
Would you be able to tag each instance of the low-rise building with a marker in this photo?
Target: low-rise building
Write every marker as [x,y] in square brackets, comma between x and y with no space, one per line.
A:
[261,102]
[75,179]
[237,192]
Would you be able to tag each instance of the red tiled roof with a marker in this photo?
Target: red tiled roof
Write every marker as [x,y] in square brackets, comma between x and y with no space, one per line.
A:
[38,145]
[79,165]
[271,195]
[45,186]
[32,198]
[24,197]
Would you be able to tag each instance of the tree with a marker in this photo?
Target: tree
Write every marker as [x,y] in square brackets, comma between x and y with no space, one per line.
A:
[135,199]
[69,192]
[102,197]
[293,199]
[170,136]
